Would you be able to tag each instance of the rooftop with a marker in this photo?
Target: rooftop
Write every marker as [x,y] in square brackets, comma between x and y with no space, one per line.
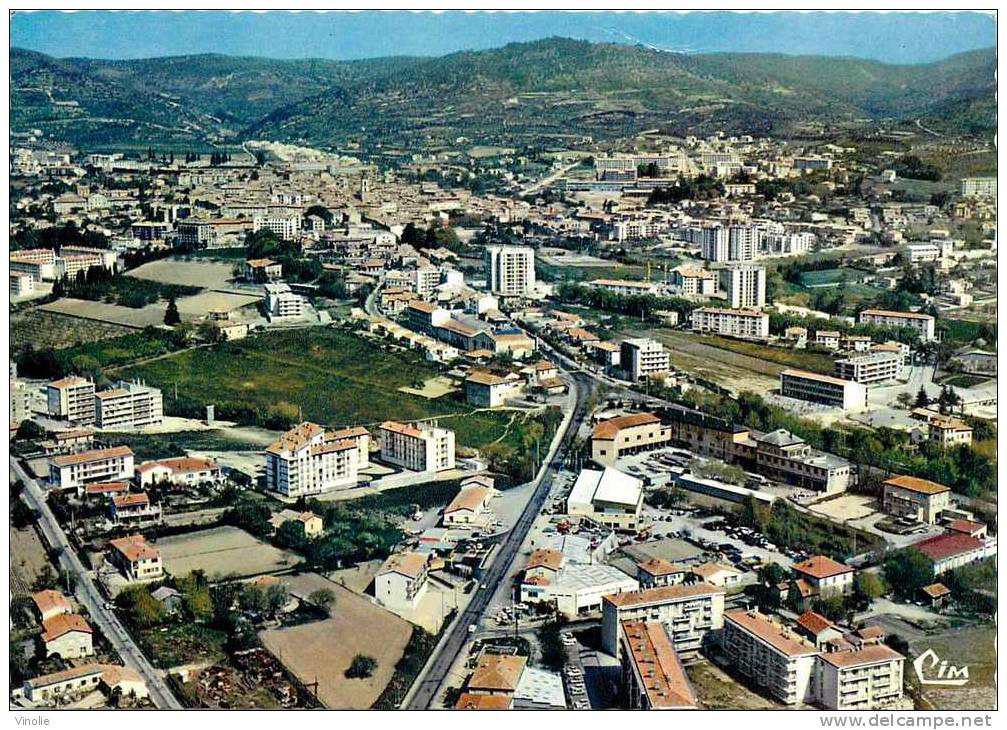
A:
[85,457]
[869,654]
[948,545]
[778,636]
[408,564]
[497,672]
[663,676]
[664,594]
[914,484]
[610,428]
[820,566]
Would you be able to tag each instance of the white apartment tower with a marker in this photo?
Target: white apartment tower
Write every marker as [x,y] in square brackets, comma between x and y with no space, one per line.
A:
[306,460]
[643,357]
[745,286]
[417,448]
[511,270]
[71,398]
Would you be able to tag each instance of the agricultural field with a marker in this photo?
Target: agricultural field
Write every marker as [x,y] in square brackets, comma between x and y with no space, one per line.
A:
[220,552]
[42,329]
[322,650]
[106,353]
[108,313]
[30,562]
[202,274]
[332,376]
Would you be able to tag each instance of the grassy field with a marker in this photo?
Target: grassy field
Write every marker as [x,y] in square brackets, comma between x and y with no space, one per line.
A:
[334,377]
[816,362]
[829,277]
[173,271]
[222,551]
[965,380]
[165,445]
[718,691]
[182,643]
[43,329]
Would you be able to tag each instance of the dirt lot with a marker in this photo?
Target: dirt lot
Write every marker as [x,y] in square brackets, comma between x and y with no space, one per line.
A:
[222,551]
[716,690]
[151,315]
[847,507]
[28,557]
[323,650]
[205,274]
[199,304]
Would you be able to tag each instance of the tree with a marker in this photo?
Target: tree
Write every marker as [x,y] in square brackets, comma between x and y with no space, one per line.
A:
[904,399]
[141,608]
[28,430]
[907,571]
[253,599]
[361,667]
[323,598]
[922,400]
[252,517]
[277,597]
[867,586]
[171,315]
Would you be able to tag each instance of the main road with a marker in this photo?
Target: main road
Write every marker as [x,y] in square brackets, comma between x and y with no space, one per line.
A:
[88,595]
[425,691]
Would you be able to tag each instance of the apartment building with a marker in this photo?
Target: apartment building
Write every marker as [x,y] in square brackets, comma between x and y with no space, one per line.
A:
[743,323]
[72,399]
[922,323]
[642,358]
[691,613]
[135,558]
[872,367]
[629,434]
[848,395]
[70,471]
[744,285]
[638,228]
[69,265]
[608,497]
[360,437]
[916,499]
[307,460]
[693,283]
[417,448]
[978,187]
[713,242]
[653,677]
[772,657]
[510,270]
[128,405]
[868,677]
[281,302]
[21,284]
[743,243]
[624,287]
[425,280]
[286,228]
[20,401]
[401,582]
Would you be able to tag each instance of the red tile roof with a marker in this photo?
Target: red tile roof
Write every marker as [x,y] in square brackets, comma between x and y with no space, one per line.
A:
[820,566]
[947,545]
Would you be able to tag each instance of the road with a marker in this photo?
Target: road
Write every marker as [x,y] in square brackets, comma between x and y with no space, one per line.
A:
[547,180]
[89,596]
[425,691]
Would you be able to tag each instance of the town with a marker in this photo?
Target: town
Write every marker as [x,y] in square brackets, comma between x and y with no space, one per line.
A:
[648,421]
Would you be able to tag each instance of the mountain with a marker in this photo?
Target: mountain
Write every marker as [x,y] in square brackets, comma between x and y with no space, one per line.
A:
[522,93]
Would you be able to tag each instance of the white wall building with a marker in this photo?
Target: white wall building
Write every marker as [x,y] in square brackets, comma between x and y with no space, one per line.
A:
[745,286]
[305,460]
[417,448]
[128,405]
[510,270]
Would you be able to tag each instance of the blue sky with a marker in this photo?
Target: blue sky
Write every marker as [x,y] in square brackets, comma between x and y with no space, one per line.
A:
[891,37]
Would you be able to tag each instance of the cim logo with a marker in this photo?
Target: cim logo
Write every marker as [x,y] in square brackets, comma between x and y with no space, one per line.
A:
[928,664]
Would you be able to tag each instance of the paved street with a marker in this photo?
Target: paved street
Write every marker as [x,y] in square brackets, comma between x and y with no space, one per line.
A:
[89,596]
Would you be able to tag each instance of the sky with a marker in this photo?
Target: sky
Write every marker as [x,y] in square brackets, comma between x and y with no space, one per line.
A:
[889,37]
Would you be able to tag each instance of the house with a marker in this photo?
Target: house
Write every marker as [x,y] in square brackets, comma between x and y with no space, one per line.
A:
[717,574]
[262,270]
[917,499]
[401,581]
[937,594]
[68,635]
[133,509]
[168,597]
[490,390]
[101,490]
[821,576]
[185,471]
[656,572]
[311,522]
[53,689]
[469,506]
[50,603]
[628,434]
[135,558]
[496,674]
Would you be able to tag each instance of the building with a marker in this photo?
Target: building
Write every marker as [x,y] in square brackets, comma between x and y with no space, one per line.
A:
[770,656]
[307,460]
[67,635]
[922,323]
[496,675]
[624,287]
[61,687]
[691,613]
[609,498]
[717,574]
[50,603]
[489,390]
[817,629]
[872,367]
[286,228]
[653,677]
[693,283]
[135,558]
[848,395]
[470,506]
[309,521]
[867,677]
[21,284]
[510,270]
[829,339]
[642,358]
[133,510]
[71,398]
[182,471]
[745,286]
[282,302]
[417,448]
[978,187]
[823,576]
[401,581]
[656,573]
[262,270]
[629,434]
[743,323]
[916,499]
[953,550]
[944,430]
[128,405]
[69,471]
[575,589]
[713,242]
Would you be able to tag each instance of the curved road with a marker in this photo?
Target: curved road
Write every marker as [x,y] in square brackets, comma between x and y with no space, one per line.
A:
[88,595]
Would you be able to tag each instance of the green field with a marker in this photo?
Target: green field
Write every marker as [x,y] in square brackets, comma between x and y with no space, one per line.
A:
[326,375]
[829,277]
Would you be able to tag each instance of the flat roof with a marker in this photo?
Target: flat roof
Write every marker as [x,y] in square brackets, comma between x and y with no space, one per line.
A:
[778,636]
